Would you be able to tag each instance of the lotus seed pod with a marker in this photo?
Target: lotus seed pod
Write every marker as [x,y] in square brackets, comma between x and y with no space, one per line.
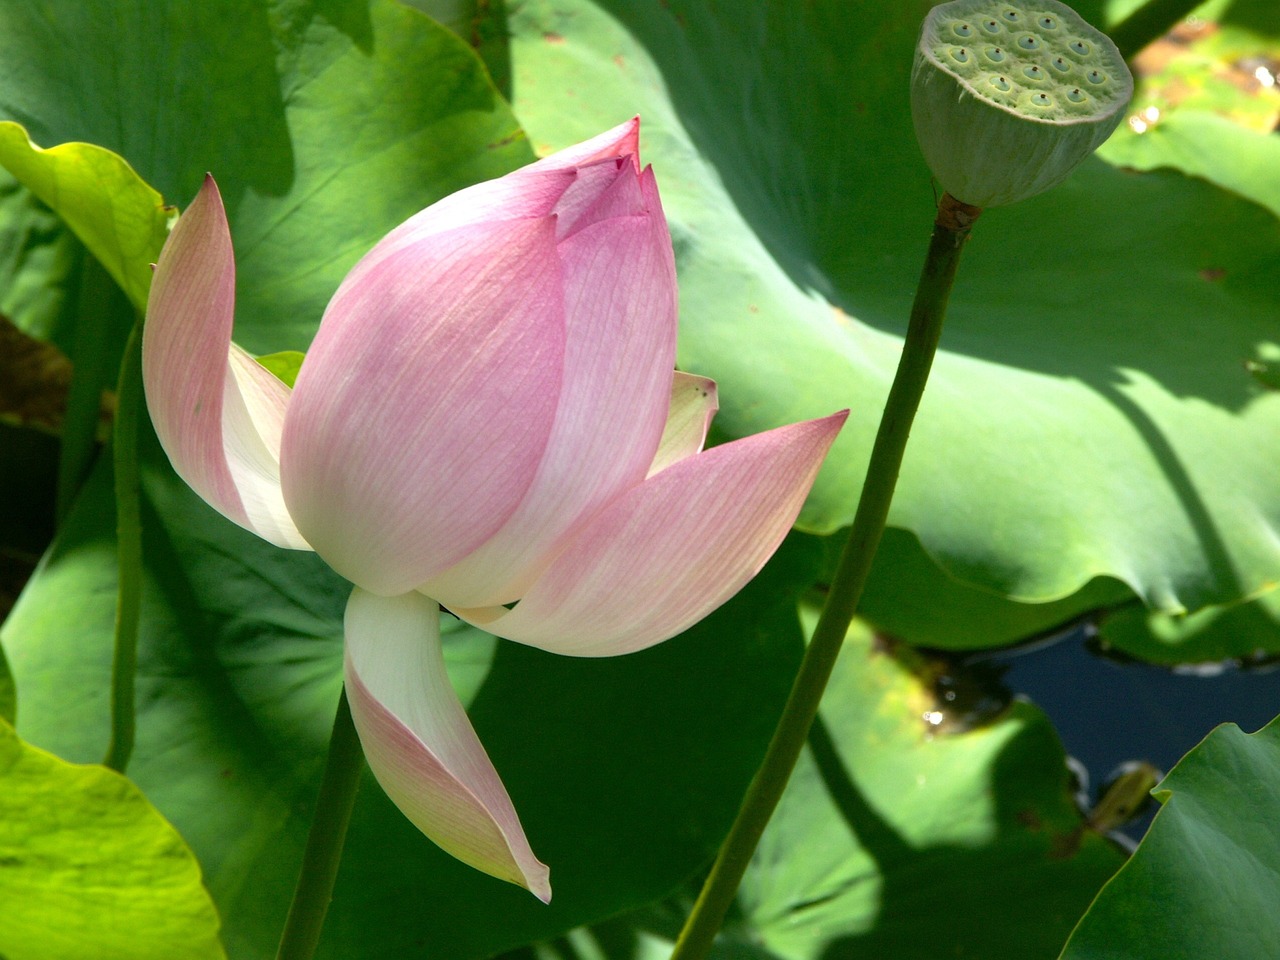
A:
[1007,98]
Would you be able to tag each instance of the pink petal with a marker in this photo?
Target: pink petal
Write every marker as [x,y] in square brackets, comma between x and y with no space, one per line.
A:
[218,413]
[421,413]
[421,746]
[667,553]
[620,292]
[620,141]
[531,192]
[694,401]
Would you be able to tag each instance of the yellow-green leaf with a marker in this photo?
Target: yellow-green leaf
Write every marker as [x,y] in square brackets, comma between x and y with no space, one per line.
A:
[118,216]
[89,870]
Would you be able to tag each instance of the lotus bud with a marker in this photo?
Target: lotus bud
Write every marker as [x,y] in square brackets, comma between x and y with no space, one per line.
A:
[1007,98]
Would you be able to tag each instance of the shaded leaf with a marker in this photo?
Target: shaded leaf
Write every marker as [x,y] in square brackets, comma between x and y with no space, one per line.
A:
[1246,632]
[8,693]
[39,260]
[1205,879]
[625,771]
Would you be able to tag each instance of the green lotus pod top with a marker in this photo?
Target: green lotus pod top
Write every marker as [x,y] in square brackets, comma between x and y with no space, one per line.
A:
[1007,98]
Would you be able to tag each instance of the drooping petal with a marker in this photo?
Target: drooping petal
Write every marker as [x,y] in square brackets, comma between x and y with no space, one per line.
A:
[620,296]
[421,413]
[531,192]
[694,401]
[670,551]
[421,746]
[217,412]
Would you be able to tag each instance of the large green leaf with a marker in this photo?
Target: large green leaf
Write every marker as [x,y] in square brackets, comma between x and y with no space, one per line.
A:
[1205,880]
[1089,415]
[89,870]
[626,771]
[325,124]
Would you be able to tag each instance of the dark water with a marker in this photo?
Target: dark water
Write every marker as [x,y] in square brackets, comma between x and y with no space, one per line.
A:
[1110,712]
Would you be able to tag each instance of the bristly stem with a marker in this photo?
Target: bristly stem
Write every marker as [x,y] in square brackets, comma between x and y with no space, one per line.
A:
[328,834]
[124,453]
[927,313]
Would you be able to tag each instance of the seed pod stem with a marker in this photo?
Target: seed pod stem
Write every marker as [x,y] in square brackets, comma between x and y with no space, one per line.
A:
[950,231]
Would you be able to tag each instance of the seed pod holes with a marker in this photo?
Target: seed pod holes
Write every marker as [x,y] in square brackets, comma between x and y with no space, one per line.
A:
[1044,90]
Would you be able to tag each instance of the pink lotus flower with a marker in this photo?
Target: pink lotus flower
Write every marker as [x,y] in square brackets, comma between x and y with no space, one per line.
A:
[487,414]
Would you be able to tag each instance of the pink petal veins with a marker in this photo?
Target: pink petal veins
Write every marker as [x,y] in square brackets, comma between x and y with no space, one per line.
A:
[218,414]
[421,746]
[620,298]
[531,192]
[422,411]
[667,553]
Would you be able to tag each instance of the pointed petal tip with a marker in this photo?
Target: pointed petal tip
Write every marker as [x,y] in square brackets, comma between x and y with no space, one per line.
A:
[540,886]
[216,413]
[209,195]
[421,746]
[836,419]
[680,544]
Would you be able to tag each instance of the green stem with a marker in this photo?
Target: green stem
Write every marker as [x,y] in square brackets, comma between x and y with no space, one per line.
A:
[324,844]
[124,452]
[92,367]
[927,313]
[1149,22]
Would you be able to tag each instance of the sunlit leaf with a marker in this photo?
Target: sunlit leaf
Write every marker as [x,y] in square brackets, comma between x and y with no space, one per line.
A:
[1090,414]
[120,218]
[89,870]
[284,364]
[896,841]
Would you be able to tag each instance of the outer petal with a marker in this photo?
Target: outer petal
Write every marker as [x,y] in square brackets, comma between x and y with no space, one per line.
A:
[620,295]
[420,744]
[694,401]
[532,191]
[621,141]
[670,551]
[423,408]
[218,413]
